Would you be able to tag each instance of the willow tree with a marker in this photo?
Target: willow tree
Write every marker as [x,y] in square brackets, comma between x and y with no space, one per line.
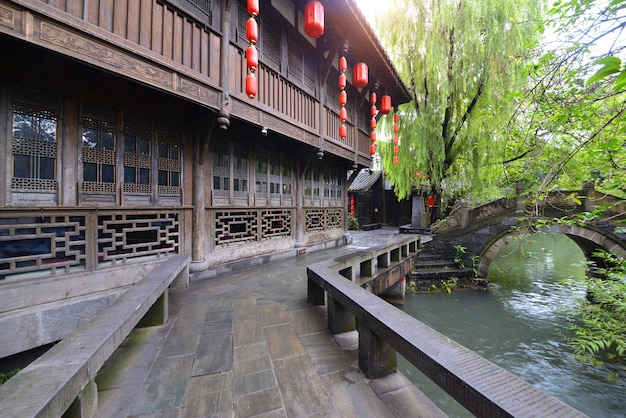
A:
[461,60]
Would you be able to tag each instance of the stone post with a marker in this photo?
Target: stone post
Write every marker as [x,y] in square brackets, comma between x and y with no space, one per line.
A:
[589,191]
[376,357]
[418,213]
[520,196]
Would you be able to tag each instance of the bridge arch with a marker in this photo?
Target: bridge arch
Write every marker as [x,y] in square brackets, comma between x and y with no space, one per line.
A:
[589,239]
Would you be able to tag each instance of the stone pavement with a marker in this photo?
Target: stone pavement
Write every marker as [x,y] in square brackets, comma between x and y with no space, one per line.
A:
[246,344]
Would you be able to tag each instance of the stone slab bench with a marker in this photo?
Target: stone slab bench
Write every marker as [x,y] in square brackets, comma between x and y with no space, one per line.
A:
[63,379]
[369,227]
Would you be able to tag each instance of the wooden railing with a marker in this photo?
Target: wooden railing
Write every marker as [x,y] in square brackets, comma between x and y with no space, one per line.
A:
[481,386]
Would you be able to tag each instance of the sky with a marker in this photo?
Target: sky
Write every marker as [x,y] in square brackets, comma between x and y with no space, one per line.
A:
[368,7]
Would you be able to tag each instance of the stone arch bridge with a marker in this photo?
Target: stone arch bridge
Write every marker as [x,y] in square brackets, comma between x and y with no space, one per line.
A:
[483,231]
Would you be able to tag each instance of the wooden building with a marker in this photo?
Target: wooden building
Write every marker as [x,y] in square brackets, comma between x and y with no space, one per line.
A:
[127,134]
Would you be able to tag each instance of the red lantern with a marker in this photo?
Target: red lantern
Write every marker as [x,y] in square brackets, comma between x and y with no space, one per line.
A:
[359,78]
[430,201]
[343,131]
[373,111]
[385,104]
[395,118]
[395,129]
[343,64]
[314,19]
[395,160]
[373,136]
[373,98]
[395,139]
[342,81]
[343,114]
[251,85]
[253,7]
[372,124]
[372,149]
[252,57]
[252,30]
[343,98]
[396,149]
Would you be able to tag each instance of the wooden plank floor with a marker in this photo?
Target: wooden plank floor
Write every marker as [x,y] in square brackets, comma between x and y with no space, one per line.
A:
[246,344]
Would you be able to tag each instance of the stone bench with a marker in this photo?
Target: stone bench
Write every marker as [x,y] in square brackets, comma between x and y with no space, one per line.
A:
[63,379]
[369,227]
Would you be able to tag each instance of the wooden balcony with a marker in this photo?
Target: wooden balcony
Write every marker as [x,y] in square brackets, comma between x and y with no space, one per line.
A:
[157,44]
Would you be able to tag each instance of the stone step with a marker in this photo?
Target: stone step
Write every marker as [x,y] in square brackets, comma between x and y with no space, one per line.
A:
[434,263]
[437,273]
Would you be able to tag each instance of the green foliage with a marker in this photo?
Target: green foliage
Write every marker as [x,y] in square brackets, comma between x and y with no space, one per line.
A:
[461,60]
[599,324]
[448,285]
[459,250]
[570,122]
[353,223]
[6,376]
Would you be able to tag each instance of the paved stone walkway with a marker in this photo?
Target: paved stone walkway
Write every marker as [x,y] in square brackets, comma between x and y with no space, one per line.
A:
[247,344]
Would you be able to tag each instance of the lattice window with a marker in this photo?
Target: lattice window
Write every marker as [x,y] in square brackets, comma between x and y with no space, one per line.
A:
[125,236]
[295,60]
[332,93]
[274,177]
[242,17]
[310,73]
[275,223]
[34,148]
[261,174]
[312,182]
[35,243]
[270,43]
[314,220]
[286,178]
[235,226]
[137,161]
[240,172]
[221,170]
[334,218]
[98,150]
[169,163]
[205,6]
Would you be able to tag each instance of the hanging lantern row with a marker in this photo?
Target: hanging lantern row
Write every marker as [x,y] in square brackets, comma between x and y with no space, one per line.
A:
[373,113]
[314,19]
[352,205]
[396,140]
[252,54]
[343,97]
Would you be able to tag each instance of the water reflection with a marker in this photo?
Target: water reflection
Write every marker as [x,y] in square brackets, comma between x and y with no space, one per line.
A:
[518,324]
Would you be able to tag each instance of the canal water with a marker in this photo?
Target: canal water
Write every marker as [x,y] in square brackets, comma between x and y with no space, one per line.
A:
[519,325]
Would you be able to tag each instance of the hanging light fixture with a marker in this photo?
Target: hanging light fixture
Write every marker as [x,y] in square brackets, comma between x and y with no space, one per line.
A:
[385,104]
[314,19]
[360,75]
[252,54]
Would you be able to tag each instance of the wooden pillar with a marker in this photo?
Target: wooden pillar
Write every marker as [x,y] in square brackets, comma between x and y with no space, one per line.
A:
[198,229]
[300,224]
